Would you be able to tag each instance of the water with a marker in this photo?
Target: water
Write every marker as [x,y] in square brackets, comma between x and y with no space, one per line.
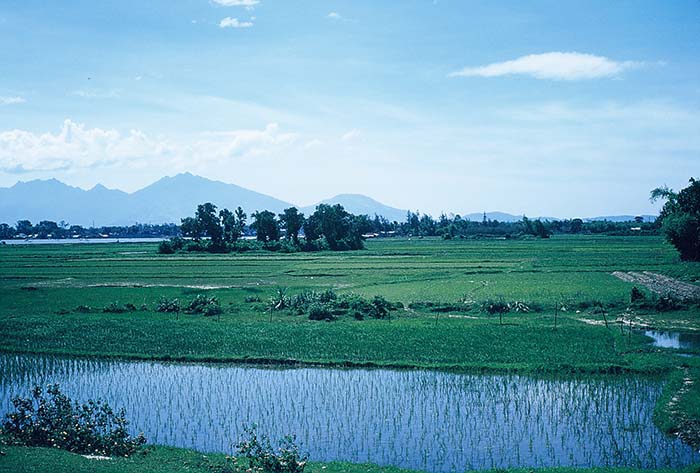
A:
[412,419]
[64,241]
[681,341]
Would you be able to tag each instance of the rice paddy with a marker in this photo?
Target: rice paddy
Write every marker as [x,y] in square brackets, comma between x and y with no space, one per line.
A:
[409,419]
[53,300]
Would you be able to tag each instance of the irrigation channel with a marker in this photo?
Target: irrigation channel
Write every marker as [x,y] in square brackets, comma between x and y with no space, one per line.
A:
[413,419]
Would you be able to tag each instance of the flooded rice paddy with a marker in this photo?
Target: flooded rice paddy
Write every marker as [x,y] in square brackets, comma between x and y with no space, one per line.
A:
[677,340]
[413,419]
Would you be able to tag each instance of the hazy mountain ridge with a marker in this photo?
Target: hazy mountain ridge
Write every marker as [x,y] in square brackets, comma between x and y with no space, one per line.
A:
[361,204]
[171,198]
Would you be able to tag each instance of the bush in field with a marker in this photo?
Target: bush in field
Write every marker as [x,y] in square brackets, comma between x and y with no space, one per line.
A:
[498,306]
[636,295]
[205,305]
[495,306]
[326,304]
[380,308]
[319,311]
[50,419]
[261,457]
[168,247]
[280,300]
[168,305]
[117,308]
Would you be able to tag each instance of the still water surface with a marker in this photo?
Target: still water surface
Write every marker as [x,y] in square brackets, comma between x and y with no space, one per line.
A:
[678,340]
[413,419]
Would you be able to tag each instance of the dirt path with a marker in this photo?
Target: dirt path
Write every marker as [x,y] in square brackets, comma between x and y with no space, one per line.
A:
[661,284]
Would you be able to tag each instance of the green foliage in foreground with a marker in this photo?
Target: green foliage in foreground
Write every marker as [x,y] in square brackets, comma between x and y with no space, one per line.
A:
[173,460]
[50,419]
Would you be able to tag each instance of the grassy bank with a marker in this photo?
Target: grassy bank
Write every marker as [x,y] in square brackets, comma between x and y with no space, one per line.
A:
[172,460]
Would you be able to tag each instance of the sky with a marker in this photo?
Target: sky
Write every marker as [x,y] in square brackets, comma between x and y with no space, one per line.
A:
[546,108]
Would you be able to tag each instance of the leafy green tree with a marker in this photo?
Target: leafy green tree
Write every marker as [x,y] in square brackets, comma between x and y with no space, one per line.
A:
[24,226]
[241,219]
[208,221]
[47,228]
[6,231]
[189,226]
[312,228]
[266,226]
[334,223]
[576,225]
[292,221]
[540,229]
[680,218]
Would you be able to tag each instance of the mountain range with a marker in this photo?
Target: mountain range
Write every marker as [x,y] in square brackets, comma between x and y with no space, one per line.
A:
[172,198]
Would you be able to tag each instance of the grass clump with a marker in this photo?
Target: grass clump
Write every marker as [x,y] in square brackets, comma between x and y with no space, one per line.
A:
[255,453]
[327,305]
[117,308]
[168,305]
[50,419]
[205,305]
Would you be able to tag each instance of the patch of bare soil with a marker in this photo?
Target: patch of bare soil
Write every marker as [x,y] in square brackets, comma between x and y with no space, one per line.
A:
[660,284]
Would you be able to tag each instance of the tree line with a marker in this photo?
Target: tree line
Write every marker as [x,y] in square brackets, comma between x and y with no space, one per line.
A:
[48,229]
[228,227]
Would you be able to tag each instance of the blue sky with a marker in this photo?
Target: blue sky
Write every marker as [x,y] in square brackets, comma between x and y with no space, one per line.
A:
[547,108]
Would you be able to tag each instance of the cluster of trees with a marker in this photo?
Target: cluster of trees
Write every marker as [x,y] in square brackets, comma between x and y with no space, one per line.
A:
[457,227]
[329,227]
[61,230]
[680,218]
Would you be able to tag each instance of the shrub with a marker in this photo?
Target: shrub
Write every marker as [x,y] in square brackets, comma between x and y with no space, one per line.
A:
[168,305]
[493,307]
[668,303]
[636,295]
[326,296]
[261,456]
[205,305]
[168,247]
[319,311]
[251,299]
[280,300]
[51,419]
[115,308]
[165,248]
[83,309]
[380,308]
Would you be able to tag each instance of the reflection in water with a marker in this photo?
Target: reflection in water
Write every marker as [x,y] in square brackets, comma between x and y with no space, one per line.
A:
[685,341]
[412,419]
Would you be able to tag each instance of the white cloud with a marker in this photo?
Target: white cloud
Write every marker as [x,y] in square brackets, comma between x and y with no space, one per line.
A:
[216,146]
[237,3]
[11,100]
[77,147]
[315,143]
[229,22]
[553,65]
[350,135]
[334,16]
[98,93]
